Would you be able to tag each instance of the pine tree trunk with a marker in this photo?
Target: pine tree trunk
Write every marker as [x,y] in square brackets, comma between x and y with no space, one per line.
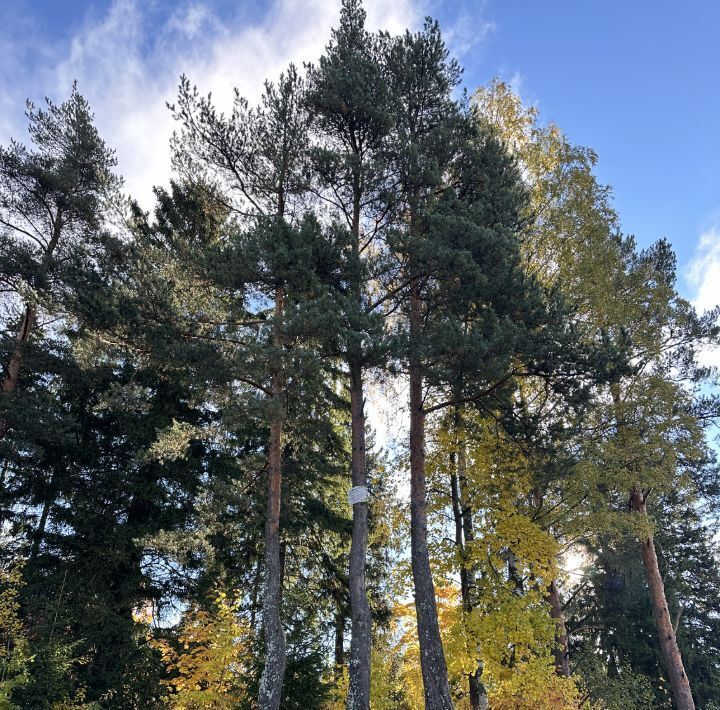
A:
[358,697]
[562,652]
[12,372]
[274,670]
[432,658]
[666,634]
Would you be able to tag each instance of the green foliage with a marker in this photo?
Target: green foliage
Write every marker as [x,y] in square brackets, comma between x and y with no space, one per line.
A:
[623,689]
[15,657]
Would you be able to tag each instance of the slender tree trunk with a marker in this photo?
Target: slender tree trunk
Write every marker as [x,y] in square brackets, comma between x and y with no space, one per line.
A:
[40,532]
[358,697]
[478,693]
[12,372]
[359,688]
[274,670]
[562,652]
[670,651]
[476,689]
[339,642]
[254,594]
[666,634]
[432,658]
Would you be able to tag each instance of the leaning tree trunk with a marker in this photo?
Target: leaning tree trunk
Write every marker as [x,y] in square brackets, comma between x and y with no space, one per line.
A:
[274,670]
[679,683]
[666,634]
[562,651]
[12,371]
[432,658]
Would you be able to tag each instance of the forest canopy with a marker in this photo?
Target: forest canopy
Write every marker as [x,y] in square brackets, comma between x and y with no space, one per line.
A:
[196,510]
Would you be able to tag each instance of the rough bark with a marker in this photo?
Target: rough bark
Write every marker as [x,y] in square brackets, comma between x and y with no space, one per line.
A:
[12,370]
[562,652]
[432,657]
[274,669]
[666,634]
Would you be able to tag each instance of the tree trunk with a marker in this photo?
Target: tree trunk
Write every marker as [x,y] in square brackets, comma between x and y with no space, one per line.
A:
[254,594]
[40,532]
[478,693]
[274,670]
[666,634]
[339,642]
[12,372]
[358,697]
[432,658]
[562,652]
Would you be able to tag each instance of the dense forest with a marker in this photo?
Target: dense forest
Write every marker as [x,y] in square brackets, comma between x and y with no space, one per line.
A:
[204,501]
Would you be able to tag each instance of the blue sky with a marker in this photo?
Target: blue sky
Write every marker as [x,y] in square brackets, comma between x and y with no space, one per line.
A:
[637,81]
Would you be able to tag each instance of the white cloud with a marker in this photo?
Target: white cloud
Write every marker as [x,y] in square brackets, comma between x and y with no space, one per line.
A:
[515,82]
[128,68]
[704,278]
[191,20]
[468,30]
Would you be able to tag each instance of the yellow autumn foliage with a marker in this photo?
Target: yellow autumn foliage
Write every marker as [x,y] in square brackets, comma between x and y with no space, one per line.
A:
[513,560]
[208,666]
[456,643]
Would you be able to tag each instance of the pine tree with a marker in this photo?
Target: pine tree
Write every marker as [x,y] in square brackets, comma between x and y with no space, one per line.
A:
[470,312]
[52,202]
[349,102]
[281,256]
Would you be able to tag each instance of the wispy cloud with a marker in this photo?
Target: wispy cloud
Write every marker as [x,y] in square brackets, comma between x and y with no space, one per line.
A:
[703,275]
[469,29]
[128,67]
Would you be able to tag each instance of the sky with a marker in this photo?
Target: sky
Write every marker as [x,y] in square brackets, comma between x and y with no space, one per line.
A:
[638,82]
